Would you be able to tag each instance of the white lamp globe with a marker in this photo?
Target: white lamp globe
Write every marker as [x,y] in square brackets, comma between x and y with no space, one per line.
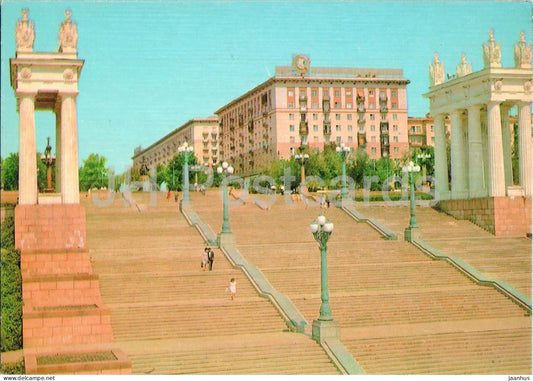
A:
[314,227]
[417,168]
[230,170]
[219,170]
[321,220]
[404,169]
[328,227]
[306,156]
[224,165]
[338,149]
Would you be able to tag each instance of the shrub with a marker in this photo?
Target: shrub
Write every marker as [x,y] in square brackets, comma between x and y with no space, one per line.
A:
[11,291]
[8,233]
[13,368]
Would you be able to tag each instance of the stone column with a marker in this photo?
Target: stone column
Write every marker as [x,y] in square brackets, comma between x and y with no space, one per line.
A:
[458,157]
[496,167]
[441,161]
[57,111]
[506,146]
[27,153]
[475,153]
[70,191]
[525,147]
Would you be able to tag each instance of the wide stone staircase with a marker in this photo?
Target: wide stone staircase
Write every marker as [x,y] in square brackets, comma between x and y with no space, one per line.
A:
[171,317]
[506,259]
[399,311]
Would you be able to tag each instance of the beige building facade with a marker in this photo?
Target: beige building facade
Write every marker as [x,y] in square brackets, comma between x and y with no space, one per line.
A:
[303,105]
[201,134]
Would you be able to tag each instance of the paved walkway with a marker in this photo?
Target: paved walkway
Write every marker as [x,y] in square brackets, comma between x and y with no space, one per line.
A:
[399,311]
[170,316]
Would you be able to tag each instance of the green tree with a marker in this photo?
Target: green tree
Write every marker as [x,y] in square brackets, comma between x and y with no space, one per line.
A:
[10,172]
[359,168]
[425,157]
[93,173]
[172,173]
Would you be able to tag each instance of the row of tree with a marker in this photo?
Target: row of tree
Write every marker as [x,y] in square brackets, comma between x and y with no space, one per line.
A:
[325,164]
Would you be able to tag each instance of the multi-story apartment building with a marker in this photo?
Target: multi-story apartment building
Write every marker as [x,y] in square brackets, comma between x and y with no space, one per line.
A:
[202,134]
[300,105]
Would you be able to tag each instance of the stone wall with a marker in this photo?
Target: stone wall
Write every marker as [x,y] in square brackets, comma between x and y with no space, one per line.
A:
[502,216]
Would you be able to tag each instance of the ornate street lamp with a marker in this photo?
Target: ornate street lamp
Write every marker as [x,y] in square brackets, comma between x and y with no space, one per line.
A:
[413,231]
[302,157]
[343,152]
[224,170]
[324,327]
[187,151]
[49,161]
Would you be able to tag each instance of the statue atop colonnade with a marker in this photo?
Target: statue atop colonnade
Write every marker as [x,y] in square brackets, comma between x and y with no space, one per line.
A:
[24,33]
[522,53]
[68,35]
[436,71]
[492,52]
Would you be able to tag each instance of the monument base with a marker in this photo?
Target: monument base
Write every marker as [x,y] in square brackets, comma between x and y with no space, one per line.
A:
[501,216]
[50,227]
[411,234]
[325,329]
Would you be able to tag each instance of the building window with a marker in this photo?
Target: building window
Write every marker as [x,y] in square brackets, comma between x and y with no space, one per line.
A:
[395,139]
[291,139]
[291,128]
[382,94]
[315,139]
[393,94]
[418,129]
[371,105]
[303,93]
[350,127]
[372,138]
[349,116]
[337,93]
[337,116]
[370,92]
[315,116]
[338,139]
[315,127]
[432,139]
[314,93]
[395,127]
[394,116]
[373,150]
[395,149]
[349,105]
[292,150]
[350,139]
[291,116]
[290,93]
[348,93]
[431,128]
[291,104]
[394,105]
[372,117]
[383,116]
[326,138]
[337,105]
[337,127]
[361,128]
[372,128]
[314,105]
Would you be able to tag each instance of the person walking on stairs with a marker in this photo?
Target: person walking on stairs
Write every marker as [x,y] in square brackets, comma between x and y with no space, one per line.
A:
[204,259]
[232,288]
[210,258]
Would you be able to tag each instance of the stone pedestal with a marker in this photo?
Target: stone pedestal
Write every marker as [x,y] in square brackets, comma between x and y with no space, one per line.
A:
[50,227]
[502,216]
[226,239]
[325,329]
[411,234]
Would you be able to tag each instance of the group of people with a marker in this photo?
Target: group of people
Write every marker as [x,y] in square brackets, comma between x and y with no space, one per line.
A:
[175,196]
[208,257]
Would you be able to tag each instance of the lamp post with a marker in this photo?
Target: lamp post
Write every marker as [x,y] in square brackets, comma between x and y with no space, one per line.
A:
[225,169]
[187,150]
[413,231]
[343,152]
[324,327]
[302,157]
[49,161]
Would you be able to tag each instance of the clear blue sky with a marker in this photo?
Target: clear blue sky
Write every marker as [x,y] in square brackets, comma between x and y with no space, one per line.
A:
[152,66]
